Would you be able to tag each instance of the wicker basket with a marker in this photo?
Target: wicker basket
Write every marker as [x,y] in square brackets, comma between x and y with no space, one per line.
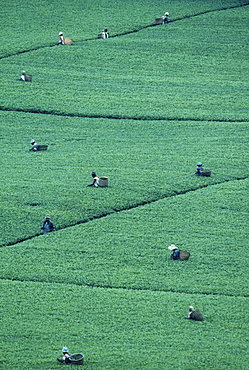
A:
[68,41]
[77,359]
[28,77]
[196,315]
[184,255]
[206,173]
[42,147]
[159,20]
[103,182]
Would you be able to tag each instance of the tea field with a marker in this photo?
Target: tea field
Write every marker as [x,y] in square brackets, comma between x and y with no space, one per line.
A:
[141,107]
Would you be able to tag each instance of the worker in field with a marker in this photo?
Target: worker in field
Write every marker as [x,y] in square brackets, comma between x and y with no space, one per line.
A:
[194,314]
[165,18]
[95,180]
[199,169]
[47,226]
[34,146]
[62,40]
[178,254]
[66,356]
[25,77]
[105,33]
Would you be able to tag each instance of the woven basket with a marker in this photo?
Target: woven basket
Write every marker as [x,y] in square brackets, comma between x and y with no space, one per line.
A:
[196,315]
[206,173]
[28,77]
[77,359]
[42,147]
[159,20]
[68,41]
[103,182]
[184,255]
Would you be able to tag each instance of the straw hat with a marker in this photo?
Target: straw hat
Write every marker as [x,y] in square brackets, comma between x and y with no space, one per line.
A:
[172,247]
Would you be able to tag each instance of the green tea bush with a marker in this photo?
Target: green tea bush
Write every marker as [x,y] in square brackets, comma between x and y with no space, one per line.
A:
[141,108]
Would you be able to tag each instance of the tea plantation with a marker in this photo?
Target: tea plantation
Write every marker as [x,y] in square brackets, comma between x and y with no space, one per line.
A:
[142,108]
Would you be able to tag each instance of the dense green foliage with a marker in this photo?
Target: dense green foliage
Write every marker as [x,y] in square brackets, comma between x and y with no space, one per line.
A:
[141,108]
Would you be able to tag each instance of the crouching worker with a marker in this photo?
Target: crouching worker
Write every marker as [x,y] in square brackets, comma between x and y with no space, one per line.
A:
[66,356]
[34,146]
[165,18]
[95,180]
[47,226]
[178,254]
[194,314]
[62,39]
[199,169]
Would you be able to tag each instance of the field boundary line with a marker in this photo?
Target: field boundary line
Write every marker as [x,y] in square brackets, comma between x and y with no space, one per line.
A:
[129,32]
[116,117]
[113,211]
[97,286]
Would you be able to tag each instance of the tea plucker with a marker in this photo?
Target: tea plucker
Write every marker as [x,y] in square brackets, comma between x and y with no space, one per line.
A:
[178,254]
[66,356]
[165,18]
[47,226]
[34,145]
[199,169]
[95,180]
[62,40]
[194,314]
[25,77]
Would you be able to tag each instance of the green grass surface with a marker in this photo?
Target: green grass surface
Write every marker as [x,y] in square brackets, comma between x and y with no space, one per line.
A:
[141,108]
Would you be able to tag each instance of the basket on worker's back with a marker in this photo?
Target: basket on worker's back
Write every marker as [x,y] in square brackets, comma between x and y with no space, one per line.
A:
[103,182]
[184,255]
[159,20]
[206,173]
[77,359]
[68,41]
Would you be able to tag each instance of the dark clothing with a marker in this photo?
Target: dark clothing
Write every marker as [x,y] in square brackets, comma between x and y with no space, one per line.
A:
[175,255]
[180,255]
[198,171]
[34,148]
[47,226]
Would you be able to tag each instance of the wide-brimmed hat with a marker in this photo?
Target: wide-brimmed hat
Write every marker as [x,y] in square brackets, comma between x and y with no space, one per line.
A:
[172,247]
[191,308]
[47,216]
[60,33]
[166,13]
[199,164]
[32,141]
[64,349]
